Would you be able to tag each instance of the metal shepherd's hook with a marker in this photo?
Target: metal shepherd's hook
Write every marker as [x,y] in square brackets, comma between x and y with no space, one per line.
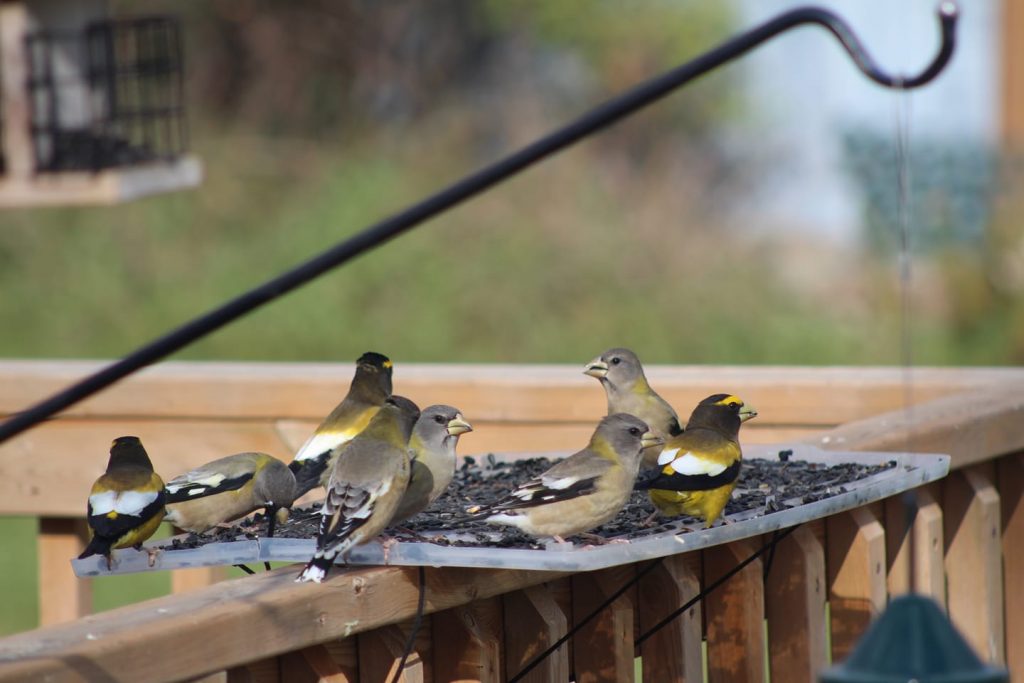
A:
[596,119]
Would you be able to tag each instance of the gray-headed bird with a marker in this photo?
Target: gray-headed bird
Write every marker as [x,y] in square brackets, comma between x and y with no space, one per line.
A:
[700,467]
[371,384]
[228,488]
[369,478]
[583,491]
[432,448]
[126,504]
[627,390]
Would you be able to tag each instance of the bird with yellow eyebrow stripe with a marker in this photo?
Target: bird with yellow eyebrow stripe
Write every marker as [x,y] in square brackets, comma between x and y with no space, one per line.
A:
[126,504]
[313,464]
[626,387]
[699,468]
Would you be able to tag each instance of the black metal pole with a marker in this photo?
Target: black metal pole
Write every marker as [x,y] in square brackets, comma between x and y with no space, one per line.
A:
[471,185]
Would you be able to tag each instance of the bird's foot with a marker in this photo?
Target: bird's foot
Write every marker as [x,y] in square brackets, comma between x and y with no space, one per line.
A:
[596,539]
[151,555]
[387,542]
[649,522]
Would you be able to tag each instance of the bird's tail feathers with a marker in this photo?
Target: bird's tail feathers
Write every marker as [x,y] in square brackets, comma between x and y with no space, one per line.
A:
[316,569]
[97,546]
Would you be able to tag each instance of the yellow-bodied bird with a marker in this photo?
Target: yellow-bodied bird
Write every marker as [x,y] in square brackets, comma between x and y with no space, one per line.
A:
[126,504]
[371,384]
[370,475]
[700,467]
[583,491]
[626,387]
[229,488]
[432,449]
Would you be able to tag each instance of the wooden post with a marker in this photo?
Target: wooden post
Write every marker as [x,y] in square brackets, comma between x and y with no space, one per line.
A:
[379,653]
[603,649]
[855,555]
[1010,472]
[735,615]
[534,622]
[924,573]
[185,580]
[312,664]
[974,559]
[673,653]
[62,595]
[468,643]
[15,108]
[795,607]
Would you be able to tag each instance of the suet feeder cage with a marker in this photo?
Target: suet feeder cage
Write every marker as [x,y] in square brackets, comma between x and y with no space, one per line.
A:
[92,108]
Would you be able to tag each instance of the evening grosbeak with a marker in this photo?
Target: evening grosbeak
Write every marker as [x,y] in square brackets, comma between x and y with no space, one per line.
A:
[432,449]
[626,387]
[583,491]
[229,488]
[126,504]
[370,475]
[371,384]
[699,468]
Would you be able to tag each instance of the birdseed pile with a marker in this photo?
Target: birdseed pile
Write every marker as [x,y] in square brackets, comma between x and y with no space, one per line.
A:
[765,486]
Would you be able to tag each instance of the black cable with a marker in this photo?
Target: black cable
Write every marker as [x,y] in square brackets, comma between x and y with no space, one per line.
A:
[596,119]
[411,641]
[580,624]
[245,569]
[715,584]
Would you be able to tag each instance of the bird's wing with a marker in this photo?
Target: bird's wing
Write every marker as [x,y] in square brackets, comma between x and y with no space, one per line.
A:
[339,428]
[571,478]
[208,480]
[694,469]
[114,510]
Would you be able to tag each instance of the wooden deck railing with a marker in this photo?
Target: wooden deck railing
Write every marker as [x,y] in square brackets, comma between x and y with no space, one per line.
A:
[968,533]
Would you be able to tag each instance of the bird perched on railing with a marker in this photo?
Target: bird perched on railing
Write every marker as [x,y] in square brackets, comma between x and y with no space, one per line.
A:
[699,468]
[126,504]
[371,384]
[228,488]
[583,491]
[626,387]
[369,478]
[432,448]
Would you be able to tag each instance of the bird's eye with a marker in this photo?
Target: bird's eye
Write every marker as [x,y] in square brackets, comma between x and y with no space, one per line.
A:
[616,360]
[635,431]
[439,419]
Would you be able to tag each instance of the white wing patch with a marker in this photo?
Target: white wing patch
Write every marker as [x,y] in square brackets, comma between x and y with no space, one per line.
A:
[666,455]
[563,483]
[123,503]
[691,464]
[190,479]
[322,442]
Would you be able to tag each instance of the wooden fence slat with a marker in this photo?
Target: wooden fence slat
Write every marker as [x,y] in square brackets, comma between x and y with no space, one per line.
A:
[63,597]
[533,622]
[267,670]
[467,642]
[795,608]
[603,649]
[240,676]
[185,580]
[380,651]
[734,613]
[924,573]
[974,559]
[312,664]
[673,653]
[1010,472]
[855,559]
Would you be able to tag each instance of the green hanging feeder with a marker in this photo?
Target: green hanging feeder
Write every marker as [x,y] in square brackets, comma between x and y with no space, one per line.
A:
[913,642]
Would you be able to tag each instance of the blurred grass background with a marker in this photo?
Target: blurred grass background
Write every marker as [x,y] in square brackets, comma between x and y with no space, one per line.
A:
[315,118]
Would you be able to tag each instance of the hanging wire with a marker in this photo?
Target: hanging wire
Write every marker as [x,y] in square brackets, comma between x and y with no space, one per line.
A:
[410,642]
[595,120]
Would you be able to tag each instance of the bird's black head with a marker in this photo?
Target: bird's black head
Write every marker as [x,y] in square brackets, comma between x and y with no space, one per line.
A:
[127,451]
[373,376]
[723,413]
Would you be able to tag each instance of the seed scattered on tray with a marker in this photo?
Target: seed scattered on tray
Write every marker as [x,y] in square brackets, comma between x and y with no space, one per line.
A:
[765,485]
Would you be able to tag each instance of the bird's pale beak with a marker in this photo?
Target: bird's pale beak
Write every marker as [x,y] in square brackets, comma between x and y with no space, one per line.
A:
[596,368]
[458,425]
[650,439]
[747,413]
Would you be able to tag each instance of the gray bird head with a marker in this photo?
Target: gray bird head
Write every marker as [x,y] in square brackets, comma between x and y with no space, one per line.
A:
[627,434]
[276,484]
[440,422]
[403,411]
[616,367]
[127,451]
